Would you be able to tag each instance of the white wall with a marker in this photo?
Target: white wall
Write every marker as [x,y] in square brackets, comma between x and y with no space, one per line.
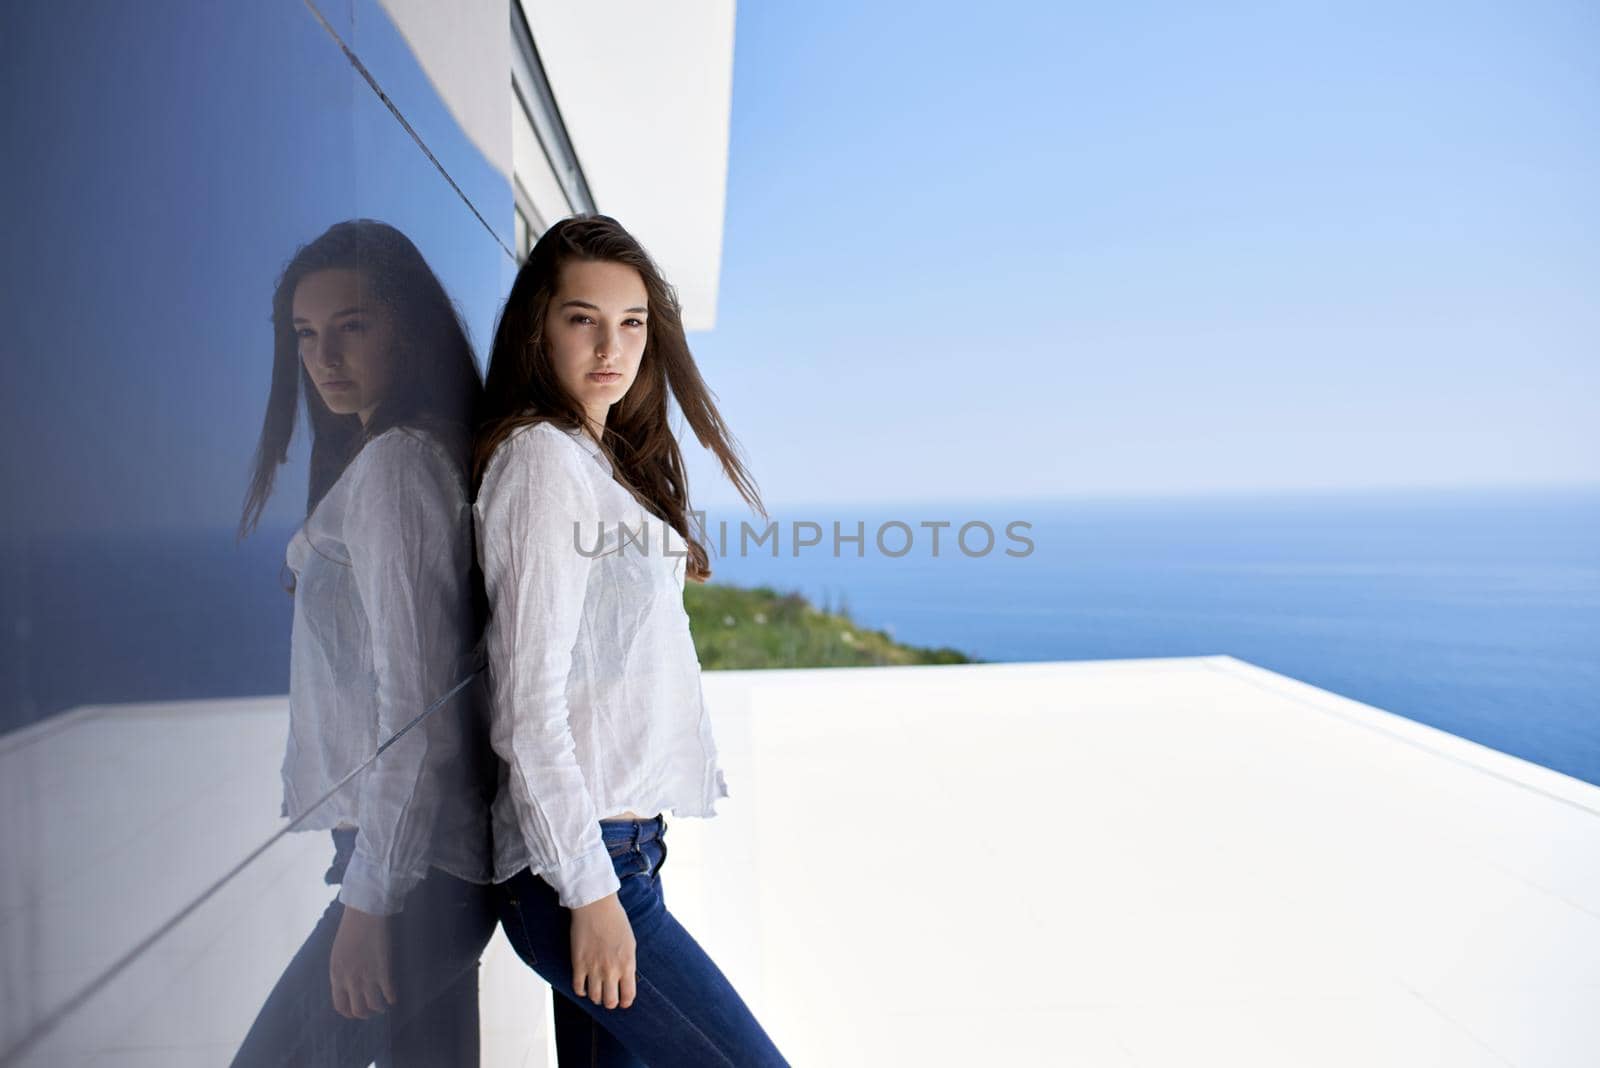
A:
[646,91]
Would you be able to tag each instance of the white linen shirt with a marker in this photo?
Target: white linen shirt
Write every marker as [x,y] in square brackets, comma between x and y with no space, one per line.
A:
[596,705]
[382,629]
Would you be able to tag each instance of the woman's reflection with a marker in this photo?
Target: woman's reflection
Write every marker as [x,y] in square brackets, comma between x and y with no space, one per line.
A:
[384,625]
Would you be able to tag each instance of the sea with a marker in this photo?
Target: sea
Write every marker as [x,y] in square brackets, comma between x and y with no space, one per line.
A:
[1474,611]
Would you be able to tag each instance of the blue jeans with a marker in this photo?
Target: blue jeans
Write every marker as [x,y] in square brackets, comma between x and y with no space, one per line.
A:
[684,1012]
[435,943]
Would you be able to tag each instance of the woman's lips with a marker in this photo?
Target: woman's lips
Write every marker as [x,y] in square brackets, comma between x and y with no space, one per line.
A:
[341,383]
[604,376]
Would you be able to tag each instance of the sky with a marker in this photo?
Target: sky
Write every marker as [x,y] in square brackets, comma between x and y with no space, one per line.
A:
[1041,251]
[969,254]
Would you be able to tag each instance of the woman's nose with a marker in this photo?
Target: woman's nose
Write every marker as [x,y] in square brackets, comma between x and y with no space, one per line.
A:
[330,353]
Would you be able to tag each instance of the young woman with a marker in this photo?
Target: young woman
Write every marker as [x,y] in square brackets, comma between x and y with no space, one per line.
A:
[384,628]
[596,707]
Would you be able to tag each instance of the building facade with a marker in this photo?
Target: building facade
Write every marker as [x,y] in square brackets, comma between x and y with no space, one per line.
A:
[167,161]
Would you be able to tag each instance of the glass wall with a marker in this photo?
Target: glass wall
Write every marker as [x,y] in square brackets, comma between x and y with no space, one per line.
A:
[178,286]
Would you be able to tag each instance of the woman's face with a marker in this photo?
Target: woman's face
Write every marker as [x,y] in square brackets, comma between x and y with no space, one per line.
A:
[346,340]
[595,328]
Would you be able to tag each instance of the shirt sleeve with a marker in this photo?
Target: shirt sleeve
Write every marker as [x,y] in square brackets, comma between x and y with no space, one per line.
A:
[531,498]
[409,539]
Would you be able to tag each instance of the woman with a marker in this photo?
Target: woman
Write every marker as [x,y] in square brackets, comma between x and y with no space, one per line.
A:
[384,627]
[595,698]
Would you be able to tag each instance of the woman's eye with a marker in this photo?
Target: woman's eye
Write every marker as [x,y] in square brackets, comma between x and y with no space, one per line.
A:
[587,319]
[305,331]
[354,326]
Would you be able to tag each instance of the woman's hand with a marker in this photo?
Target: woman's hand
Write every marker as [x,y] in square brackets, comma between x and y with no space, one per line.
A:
[602,953]
[359,965]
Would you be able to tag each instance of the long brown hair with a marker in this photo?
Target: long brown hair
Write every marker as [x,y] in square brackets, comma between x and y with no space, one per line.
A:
[435,385]
[522,388]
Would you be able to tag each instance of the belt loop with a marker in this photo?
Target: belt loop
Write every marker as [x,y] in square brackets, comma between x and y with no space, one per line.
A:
[635,843]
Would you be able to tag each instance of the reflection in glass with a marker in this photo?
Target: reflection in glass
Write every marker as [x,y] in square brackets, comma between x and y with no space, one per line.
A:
[384,629]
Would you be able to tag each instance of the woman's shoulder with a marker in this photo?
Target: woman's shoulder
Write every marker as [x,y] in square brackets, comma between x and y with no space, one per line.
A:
[543,434]
[543,446]
[537,471]
[413,452]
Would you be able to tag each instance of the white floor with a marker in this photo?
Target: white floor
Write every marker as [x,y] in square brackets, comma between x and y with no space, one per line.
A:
[1181,862]
[1159,862]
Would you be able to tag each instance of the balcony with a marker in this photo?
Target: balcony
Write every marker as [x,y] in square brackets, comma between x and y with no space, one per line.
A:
[1146,863]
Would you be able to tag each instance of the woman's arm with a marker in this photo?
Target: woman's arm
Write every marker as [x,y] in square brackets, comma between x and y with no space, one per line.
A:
[410,541]
[536,580]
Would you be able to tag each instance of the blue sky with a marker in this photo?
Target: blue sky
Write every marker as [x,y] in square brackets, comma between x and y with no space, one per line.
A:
[1047,250]
[969,254]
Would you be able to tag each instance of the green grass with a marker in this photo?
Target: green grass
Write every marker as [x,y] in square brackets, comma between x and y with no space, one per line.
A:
[736,627]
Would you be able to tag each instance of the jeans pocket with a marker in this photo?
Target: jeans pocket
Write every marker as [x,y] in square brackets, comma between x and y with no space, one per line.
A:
[648,858]
[632,862]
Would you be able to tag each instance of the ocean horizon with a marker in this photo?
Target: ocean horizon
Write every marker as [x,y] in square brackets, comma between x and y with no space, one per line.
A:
[1474,611]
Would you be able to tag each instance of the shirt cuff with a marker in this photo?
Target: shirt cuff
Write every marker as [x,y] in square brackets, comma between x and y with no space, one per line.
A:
[369,888]
[584,879]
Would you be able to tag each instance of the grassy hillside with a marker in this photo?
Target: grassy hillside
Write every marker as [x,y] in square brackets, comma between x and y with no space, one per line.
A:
[738,627]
